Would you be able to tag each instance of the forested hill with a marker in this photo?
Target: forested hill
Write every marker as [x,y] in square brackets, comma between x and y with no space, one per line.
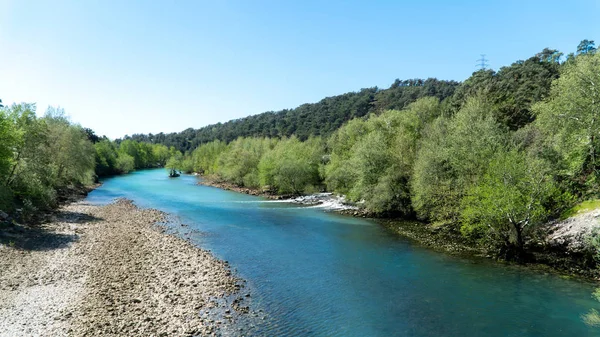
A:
[316,119]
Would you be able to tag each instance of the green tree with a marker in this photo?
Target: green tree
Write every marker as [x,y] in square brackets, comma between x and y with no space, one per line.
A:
[106,158]
[586,47]
[206,157]
[569,120]
[73,159]
[292,166]
[161,154]
[452,156]
[239,163]
[508,203]
[125,163]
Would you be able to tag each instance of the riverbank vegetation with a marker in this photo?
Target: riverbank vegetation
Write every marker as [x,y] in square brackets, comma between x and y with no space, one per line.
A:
[44,160]
[502,154]
[492,157]
[40,158]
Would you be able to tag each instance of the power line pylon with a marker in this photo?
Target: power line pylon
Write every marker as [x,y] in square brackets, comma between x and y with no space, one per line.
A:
[482,63]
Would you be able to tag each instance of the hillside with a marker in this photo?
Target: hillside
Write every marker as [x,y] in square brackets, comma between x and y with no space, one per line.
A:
[314,119]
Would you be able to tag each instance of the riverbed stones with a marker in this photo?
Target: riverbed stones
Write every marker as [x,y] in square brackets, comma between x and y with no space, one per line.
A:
[117,274]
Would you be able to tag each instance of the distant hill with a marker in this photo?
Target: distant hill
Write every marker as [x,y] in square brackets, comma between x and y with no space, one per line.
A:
[320,118]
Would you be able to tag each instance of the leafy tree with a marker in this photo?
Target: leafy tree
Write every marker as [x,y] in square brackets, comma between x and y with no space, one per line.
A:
[452,156]
[569,120]
[39,157]
[106,158]
[125,163]
[92,137]
[586,47]
[508,203]
[160,154]
[372,160]
[206,157]
[340,175]
[512,90]
[175,162]
[292,167]
[239,163]
[73,161]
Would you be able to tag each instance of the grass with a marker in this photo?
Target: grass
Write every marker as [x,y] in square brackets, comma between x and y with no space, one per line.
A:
[586,206]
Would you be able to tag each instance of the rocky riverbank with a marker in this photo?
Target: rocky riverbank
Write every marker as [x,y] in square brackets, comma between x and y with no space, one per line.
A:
[214,182]
[111,271]
[327,201]
[559,246]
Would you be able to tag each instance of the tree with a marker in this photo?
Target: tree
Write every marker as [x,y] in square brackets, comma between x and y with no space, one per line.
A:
[513,89]
[175,162]
[161,154]
[569,120]
[73,159]
[106,158]
[30,137]
[452,156]
[92,137]
[508,202]
[586,47]
[39,157]
[206,157]
[239,163]
[373,160]
[292,167]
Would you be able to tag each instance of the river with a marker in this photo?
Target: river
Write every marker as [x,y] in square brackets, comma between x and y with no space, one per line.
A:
[315,273]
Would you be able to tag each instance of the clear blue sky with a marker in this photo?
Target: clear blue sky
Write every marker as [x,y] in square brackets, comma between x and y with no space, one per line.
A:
[124,67]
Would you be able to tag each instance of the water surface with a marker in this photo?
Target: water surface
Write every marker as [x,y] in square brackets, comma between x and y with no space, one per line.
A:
[320,274]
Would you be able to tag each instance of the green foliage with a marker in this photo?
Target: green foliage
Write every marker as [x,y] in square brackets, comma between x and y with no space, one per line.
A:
[452,156]
[239,163]
[372,160]
[340,176]
[586,47]
[160,154]
[74,154]
[39,157]
[512,90]
[206,157]
[106,158]
[569,122]
[316,119]
[125,163]
[509,201]
[582,207]
[292,167]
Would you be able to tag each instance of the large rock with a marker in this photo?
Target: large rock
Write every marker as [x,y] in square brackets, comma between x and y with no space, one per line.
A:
[572,233]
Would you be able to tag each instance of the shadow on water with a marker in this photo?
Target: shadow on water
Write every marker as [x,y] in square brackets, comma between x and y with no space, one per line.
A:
[40,237]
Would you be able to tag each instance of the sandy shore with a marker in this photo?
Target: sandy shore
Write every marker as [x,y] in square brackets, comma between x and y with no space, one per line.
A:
[111,271]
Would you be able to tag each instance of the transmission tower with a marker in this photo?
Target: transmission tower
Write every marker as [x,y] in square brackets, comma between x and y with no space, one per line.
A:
[482,63]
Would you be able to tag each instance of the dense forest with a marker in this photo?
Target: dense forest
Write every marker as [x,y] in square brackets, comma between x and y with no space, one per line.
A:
[317,119]
[493,157]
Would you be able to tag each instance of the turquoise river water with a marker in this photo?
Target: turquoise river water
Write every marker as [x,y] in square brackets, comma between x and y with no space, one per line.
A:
[315,273]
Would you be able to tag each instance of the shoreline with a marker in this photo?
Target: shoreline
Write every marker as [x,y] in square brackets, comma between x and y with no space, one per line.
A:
[112,270]
[210,182]
[555,259]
